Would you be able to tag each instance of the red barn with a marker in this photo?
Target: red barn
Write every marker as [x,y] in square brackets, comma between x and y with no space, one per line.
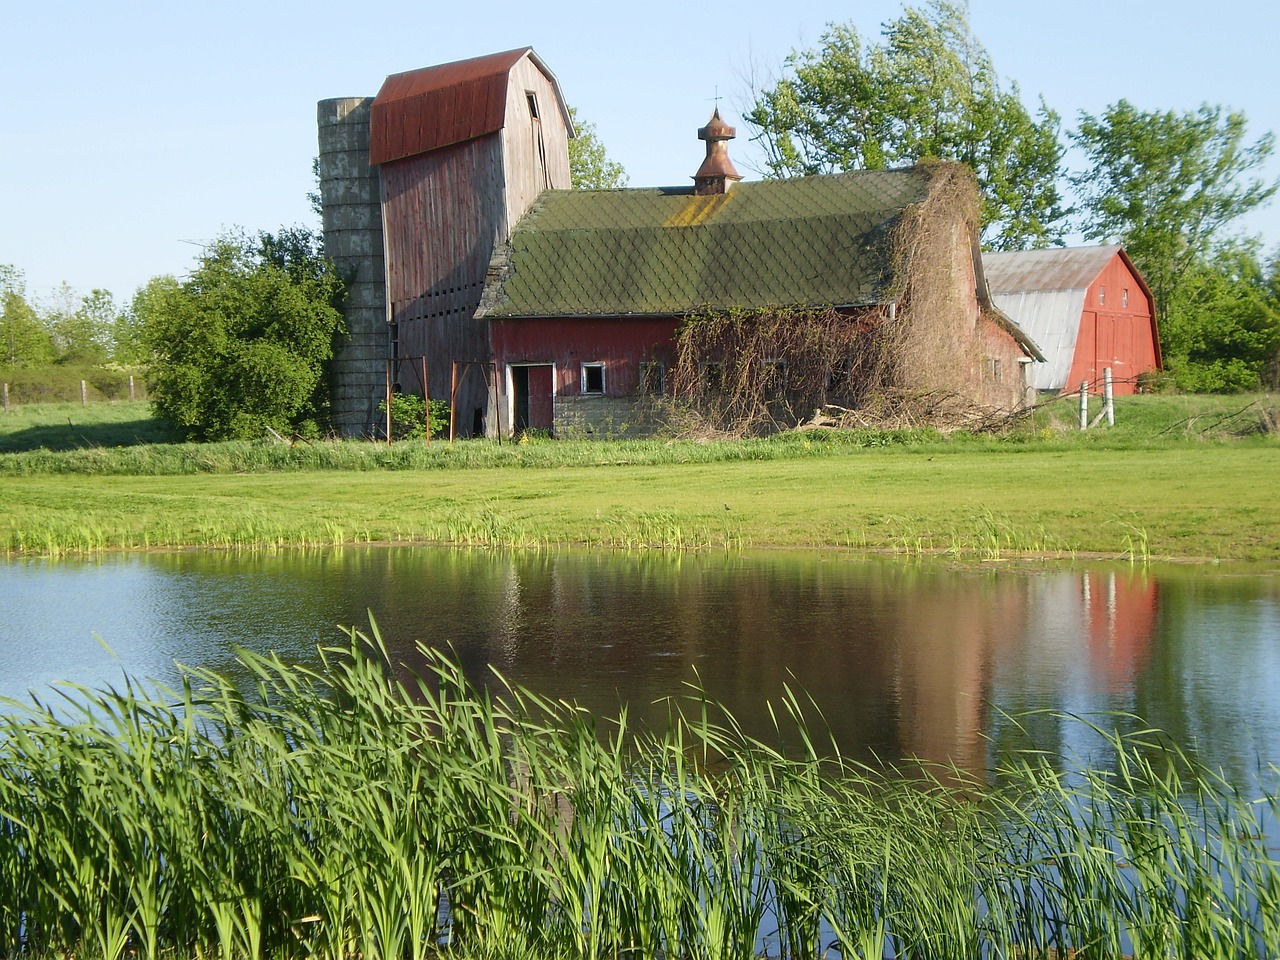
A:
[1087,308]
[462,151]
[561,307]
[585,301]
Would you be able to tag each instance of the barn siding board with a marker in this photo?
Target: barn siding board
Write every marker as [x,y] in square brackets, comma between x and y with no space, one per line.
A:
[526,176]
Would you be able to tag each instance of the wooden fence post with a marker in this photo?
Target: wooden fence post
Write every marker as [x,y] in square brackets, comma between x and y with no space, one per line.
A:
[389,402]
[497,403]
[1084,404]
[84,394]
[131,388]
[6,398]
[426,399]
[453,398]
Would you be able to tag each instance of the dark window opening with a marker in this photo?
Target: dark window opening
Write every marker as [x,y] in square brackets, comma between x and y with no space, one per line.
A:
[532,99]
[712,377]
[773,379]
[653,378]
[838,380]
[593,378]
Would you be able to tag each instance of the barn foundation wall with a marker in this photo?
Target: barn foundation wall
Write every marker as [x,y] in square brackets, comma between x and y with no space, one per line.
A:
[607,418]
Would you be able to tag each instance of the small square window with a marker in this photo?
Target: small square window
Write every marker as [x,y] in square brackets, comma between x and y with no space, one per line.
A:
[532,99]
[653,378]
[994,373]
[712,377]
[593,378]
[773,379]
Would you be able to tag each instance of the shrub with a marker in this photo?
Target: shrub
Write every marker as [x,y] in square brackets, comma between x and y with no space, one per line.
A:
[409,416]
[242,345]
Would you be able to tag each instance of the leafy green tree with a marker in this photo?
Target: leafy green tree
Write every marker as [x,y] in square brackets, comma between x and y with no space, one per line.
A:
[1168,185]
[242,345]
[127,346]
[1222,329]
[25,341]
[82,329]
[929,90]
[589,165]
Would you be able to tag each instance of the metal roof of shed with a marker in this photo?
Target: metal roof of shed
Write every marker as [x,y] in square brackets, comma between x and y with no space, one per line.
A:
[1054,268]
[1043,291]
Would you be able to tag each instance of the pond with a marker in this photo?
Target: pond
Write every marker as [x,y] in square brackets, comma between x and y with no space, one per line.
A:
[905,659]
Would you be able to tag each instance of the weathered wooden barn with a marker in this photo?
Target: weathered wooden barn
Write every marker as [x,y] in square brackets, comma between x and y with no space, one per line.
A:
[418,184]
[1087,308]
[463,150]
[586,302]
[561,309]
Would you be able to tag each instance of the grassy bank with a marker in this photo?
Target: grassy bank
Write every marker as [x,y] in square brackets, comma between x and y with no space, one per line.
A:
[1186,478]
[331,813]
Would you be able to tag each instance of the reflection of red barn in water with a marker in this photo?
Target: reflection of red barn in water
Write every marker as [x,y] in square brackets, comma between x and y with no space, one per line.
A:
[1120,613]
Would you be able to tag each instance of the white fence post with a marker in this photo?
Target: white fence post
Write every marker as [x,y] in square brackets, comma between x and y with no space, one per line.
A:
[1107,403]
[1084,404]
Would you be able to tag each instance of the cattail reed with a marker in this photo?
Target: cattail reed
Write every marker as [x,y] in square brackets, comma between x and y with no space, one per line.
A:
[363,810]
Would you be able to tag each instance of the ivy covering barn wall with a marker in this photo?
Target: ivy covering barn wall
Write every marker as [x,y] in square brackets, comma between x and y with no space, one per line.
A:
[931,353]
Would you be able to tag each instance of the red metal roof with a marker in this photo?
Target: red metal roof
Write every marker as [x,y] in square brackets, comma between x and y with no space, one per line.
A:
[423,110]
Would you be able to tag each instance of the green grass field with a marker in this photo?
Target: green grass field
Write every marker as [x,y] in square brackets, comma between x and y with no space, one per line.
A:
[72,426]
[1191,478]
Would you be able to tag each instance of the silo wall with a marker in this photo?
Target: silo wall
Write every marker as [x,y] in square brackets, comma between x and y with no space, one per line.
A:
[352,218]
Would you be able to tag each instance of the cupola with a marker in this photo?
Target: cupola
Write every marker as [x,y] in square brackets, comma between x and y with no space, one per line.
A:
[717,170]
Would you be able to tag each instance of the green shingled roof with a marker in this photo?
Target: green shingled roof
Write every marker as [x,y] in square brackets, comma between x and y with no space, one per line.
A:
[813,241]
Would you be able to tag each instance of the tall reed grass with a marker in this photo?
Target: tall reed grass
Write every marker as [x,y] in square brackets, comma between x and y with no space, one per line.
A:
[358,810]
[179,459]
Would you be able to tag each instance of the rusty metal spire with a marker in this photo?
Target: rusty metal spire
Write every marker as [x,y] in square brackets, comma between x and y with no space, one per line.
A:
[717,169]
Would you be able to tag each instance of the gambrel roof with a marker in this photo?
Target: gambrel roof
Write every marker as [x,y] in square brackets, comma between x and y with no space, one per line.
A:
[423,110]
[1053,268]
[808,241]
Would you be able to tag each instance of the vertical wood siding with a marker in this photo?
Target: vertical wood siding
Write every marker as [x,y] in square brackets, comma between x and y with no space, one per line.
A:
[535,155]
[442,212]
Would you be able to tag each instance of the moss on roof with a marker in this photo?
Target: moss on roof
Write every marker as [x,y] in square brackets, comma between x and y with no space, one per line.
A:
[814,241]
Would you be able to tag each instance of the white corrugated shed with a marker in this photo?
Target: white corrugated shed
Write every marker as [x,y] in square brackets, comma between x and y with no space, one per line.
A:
[1043,292]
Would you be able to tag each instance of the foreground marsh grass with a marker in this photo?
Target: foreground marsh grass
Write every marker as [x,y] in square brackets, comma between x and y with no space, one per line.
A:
[350,811]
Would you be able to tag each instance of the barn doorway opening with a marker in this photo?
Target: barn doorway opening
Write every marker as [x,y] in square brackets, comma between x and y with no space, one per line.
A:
[532,393]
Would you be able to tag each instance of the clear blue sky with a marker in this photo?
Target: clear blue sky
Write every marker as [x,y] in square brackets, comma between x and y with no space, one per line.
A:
[133,132]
